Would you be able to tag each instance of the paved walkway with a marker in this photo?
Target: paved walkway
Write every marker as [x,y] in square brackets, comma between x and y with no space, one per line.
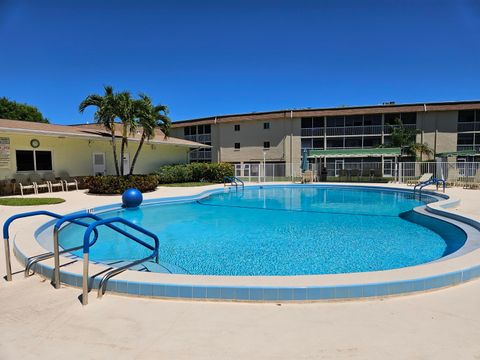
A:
[37,322]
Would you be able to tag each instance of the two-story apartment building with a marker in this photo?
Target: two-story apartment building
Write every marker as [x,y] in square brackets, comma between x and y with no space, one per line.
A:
[336,136]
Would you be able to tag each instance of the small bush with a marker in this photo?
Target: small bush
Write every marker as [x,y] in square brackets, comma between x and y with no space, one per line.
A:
[118,184]
[194,172]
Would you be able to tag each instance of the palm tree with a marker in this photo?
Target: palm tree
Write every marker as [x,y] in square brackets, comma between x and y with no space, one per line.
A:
[149,117]
[125,109]
[405,139]
[104,115]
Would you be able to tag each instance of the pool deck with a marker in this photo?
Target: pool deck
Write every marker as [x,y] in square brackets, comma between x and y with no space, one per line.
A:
[39,322]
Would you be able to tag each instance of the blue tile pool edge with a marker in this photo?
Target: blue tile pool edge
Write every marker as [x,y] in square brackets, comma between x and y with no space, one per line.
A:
[266,294]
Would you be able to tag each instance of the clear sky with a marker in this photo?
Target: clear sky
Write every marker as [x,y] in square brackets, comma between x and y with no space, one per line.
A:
[208,57]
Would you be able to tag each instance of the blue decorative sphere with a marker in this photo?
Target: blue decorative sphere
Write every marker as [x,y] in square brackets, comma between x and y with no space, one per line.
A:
[132,198]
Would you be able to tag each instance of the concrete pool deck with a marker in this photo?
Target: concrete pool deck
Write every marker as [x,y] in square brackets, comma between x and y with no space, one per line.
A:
[39,322]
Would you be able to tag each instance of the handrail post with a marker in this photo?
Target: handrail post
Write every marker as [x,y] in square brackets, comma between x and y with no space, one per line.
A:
[56,256]
[85,279]
[6,243]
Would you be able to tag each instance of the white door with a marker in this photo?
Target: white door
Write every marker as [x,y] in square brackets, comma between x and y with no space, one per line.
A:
[126,163]
[388,167]
[339,165]
[98,164]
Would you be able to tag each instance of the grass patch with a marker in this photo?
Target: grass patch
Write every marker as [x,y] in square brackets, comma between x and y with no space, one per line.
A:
[186,184]
[30,201]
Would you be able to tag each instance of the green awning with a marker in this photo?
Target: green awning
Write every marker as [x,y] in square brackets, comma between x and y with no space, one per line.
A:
[459,153]
[375,152]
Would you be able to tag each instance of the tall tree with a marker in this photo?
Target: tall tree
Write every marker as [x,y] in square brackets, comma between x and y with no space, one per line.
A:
[105,115]
[16,111]
[125,109]
[405,138]
[149,117]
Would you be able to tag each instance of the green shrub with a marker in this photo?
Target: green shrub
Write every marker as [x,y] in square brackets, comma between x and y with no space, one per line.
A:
[118,184]
[194,172]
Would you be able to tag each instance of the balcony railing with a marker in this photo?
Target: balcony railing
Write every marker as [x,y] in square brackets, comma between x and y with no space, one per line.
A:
[352,130]
[468,147]
[471,126]
[201,138]
[201,155]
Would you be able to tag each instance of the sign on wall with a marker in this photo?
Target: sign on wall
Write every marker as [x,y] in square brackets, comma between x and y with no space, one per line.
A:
[4,152]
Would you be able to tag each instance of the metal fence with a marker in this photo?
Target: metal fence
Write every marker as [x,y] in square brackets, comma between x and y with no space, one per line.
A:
[461,173]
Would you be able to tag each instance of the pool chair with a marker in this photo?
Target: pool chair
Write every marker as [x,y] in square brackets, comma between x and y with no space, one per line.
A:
[422,179]
[307,177]
[474,183]
[68,180]
[24,182]
[52,181]
[453,177]
[39,182]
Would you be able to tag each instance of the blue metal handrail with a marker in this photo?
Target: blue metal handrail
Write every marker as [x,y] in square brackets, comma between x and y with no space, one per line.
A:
[233,181]
[6,232]
[432,181]
[108,275]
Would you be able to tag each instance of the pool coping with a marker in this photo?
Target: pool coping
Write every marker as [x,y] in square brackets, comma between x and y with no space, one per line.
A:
[429,276]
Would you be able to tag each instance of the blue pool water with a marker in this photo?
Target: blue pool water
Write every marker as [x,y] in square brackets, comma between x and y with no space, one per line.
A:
[293,230]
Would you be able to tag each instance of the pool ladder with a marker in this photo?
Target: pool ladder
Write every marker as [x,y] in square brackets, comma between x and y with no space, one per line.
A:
[432,181]
[87,244]
[233,181]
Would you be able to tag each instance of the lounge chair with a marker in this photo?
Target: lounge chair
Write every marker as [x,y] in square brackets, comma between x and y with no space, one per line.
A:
[68,180]
[474,183]
[453,177]
[422,179]
[24,182]
[39,182]
[307,177]
[52,181]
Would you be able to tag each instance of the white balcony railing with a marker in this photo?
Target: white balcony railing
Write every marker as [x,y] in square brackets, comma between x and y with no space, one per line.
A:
[201,138]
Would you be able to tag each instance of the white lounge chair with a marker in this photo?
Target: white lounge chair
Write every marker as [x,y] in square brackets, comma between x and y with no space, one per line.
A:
[39,182]
[53,182]
[68,180]
[422,179]
[24,183]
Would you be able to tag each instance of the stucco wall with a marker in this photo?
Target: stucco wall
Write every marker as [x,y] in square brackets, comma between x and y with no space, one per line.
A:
[445,122]
[74,155]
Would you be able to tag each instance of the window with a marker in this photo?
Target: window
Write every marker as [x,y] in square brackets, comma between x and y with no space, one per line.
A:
[392,119]
[465,139]
[334,143]
[335,121]
[354,120]
[208,129]
[317,143]
[237,146]
[317,122]
[355,142]
[466,116]
[372,119]
[409,118]
[266,144]
[306,123]
[236,127]
[266,126]
[306,143]
[371,141]
[34,160]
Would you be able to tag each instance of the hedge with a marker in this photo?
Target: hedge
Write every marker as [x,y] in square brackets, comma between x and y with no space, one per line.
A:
[118,184]
[194,172]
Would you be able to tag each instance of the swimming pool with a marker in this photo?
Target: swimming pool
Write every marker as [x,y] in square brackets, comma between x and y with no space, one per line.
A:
[282,230]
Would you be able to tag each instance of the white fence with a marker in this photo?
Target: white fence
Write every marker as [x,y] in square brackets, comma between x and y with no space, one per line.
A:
[455,173]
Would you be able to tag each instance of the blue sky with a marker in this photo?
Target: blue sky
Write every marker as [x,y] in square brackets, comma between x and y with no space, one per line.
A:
[205,58]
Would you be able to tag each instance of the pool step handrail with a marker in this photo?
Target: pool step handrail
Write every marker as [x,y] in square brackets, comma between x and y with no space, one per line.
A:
[6,234]
[56,248]
[431,181]
[109,274]
[233,181]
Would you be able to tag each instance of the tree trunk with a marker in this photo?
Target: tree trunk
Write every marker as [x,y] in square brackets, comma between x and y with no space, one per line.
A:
[115,159]
[142,139]
[122,150]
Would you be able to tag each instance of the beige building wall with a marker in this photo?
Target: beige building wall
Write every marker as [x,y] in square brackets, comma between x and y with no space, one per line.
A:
[439,130]
[251,137]
[75,155]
